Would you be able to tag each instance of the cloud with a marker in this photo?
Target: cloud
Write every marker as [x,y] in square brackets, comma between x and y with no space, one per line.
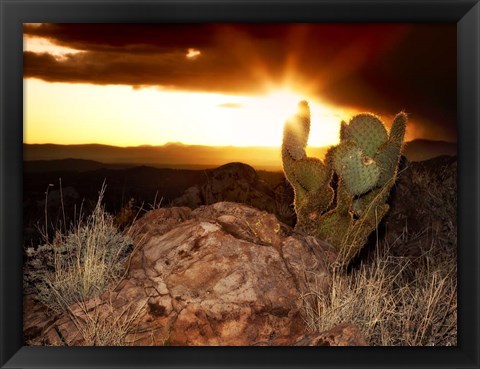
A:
[127,37]
[376,67]
[145,56]
[193,53]
[170,69]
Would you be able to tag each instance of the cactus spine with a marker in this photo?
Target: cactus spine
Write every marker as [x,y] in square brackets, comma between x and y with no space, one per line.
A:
[365,163]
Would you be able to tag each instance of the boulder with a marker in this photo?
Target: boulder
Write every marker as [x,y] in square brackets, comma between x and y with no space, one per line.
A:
[423,206]
[224,274]
[238,182]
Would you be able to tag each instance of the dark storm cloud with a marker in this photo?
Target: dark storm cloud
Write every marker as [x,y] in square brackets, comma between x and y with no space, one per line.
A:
[143,55]
[101,37]
[172,70]
[380,68]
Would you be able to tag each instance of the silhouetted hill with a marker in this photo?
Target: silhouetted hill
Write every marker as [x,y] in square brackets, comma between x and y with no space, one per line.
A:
[176,155]
[74,165]
[172,155]
[420,149]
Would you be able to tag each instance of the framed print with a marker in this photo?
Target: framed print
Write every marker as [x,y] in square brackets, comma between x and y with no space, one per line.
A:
[238,184]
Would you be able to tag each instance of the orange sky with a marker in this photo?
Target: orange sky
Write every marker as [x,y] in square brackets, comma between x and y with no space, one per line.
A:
[224,84]
[122,116]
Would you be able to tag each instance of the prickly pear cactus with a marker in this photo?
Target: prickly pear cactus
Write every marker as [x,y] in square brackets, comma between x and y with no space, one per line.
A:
[309,177]
[365,163]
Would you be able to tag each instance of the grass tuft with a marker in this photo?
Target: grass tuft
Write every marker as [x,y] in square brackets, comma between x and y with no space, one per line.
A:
[80,263]
[395,301]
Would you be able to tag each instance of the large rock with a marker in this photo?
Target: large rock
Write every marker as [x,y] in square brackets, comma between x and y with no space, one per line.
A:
[423,206]
[238,182]
[224,274]
[37,321]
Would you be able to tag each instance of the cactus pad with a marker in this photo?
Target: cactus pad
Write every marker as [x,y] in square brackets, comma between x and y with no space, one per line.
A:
[296,132]
[397,132]
[367,131]
[311,174]
[389,154]
[359,172]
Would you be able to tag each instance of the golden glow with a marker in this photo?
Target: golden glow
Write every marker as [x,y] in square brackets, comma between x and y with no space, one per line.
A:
[192,53]
[262,119]
[122,116]
[43,45]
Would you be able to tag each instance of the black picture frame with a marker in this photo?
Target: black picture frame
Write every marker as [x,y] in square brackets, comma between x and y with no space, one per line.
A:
[466,14]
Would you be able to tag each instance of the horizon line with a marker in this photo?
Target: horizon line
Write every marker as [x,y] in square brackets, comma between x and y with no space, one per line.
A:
[203,145]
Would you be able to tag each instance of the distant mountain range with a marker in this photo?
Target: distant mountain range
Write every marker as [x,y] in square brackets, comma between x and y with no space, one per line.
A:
[421,149]
[47,157]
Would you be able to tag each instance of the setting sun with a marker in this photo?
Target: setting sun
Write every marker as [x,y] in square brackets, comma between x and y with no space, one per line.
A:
[227,88]
[123,116]
[264,116]
[127,114]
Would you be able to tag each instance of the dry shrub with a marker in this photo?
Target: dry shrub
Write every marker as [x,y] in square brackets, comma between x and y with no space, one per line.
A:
[80,263]
[395,301]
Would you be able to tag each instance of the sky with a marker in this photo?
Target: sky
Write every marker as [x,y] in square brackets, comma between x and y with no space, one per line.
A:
[232,84]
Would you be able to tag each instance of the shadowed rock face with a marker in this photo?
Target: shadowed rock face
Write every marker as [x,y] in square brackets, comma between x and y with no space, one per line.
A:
[238,182]
[423,205]
[224,274]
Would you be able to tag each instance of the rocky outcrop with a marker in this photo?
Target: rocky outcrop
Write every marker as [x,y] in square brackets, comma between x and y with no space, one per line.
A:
[423,206]
[423,202]
[224,274]
[238,182]
[231,274]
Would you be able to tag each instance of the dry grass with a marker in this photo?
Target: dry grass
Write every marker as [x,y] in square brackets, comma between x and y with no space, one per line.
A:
[80,263]
[405,294]
[105,325]
[395,301]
